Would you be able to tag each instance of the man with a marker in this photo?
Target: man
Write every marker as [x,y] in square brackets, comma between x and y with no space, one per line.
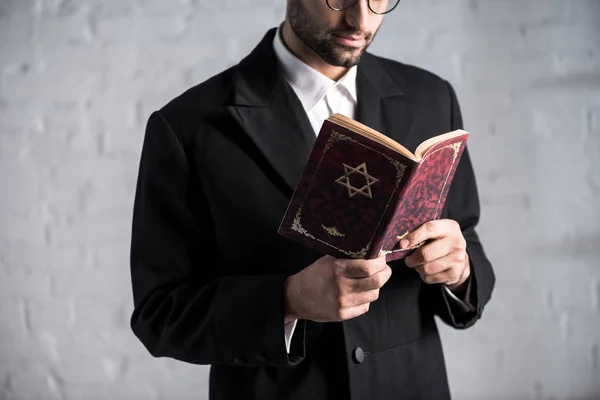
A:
[214,283]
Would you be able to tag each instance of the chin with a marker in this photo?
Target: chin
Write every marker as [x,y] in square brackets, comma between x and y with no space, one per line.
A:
[341,56]
[349,58]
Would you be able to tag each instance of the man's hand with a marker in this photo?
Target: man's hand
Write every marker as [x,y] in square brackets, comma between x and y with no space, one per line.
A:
[443,260]
[333,289]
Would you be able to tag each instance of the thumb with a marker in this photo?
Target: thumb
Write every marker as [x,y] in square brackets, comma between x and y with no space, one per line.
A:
[405,240]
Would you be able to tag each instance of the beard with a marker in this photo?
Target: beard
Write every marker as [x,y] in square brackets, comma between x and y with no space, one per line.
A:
[321,41]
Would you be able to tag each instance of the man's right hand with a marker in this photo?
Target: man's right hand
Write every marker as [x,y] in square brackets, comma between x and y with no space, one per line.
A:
[333,289]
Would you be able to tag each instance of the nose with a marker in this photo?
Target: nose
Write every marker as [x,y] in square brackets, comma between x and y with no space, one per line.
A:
[357,16]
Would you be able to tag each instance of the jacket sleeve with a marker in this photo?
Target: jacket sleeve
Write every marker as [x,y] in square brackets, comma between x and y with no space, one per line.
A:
[183,307]
[462,205]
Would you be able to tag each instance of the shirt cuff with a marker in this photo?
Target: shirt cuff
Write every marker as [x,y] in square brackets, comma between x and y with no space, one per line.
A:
[289,329]
[465,305]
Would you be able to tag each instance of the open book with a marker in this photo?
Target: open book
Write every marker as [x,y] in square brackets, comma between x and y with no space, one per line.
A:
[364,130]
[361,192]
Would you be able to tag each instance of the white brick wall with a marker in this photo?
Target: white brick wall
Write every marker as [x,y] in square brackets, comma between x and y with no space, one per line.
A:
[78,79]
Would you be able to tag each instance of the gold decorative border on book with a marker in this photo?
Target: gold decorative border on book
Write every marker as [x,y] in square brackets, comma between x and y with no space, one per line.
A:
[400,169]
[355,254]
[332,230]
[405,234]
[297,225]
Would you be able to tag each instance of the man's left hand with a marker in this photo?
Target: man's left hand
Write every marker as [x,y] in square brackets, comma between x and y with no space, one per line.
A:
[444,259]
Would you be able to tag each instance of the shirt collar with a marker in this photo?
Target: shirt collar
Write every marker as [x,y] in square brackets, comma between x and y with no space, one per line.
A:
[309,84]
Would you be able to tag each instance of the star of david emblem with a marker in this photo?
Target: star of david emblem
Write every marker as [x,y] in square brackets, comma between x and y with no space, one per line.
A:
[360,170]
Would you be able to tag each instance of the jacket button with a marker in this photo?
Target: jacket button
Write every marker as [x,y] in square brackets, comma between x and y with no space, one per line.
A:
[261,358]
[239,361]
[358,355]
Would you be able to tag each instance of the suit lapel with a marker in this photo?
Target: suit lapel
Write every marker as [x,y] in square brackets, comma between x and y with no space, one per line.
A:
[268,110]
[382,102]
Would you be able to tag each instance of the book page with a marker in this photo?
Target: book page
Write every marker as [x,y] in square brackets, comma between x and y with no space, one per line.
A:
[371,133]
[421,151]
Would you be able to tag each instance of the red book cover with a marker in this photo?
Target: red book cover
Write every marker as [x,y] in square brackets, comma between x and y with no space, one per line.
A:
[357,195]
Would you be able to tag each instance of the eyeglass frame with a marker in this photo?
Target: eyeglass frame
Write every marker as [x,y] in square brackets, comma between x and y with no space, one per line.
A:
[368,5]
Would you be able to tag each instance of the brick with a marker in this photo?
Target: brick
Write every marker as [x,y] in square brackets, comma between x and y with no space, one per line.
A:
[13,320]
[110,282]
[550,382]
[17,119]
[18,256]
[100,392]
[569,38]
[38,347]
[584,62]
[580,331]
[89,189]
[586,12]
[110,341]
[48,341]
[65,257]
[567,291]
[18,285]
[195,377]
[98,371]
[10,8]
[16,35]
[510,13]
[472,40]
[96,229]
[516,75]
[62,8]
[112,253]
[31,381]
[113,8]
[102,312]
[53,314]
[149,379]
[595,292]
[162,26]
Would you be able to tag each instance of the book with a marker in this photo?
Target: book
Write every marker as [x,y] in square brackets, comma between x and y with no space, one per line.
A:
[361,192]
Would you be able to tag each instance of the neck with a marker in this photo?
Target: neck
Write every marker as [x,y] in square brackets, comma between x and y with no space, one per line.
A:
[297,47]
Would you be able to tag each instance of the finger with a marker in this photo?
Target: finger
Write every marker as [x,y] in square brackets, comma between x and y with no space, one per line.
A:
[429,230]
[448,276]
[432,251]
[358,298]
[376,281]
[433,268]
[463,278]
[352,312]
[363,268]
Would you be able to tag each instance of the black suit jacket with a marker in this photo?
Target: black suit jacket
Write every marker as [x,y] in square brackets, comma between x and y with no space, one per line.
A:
[218,167]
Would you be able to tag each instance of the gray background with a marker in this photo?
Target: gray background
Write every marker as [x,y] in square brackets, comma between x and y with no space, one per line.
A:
[79,78]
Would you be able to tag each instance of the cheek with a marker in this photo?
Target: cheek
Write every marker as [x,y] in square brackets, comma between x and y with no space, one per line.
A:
[322,15]
[375,24]
[333,21]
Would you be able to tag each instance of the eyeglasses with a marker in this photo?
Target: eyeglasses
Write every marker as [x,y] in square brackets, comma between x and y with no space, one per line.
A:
[379,7]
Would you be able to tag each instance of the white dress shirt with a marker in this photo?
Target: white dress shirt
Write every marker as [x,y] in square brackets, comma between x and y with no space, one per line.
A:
[321,97]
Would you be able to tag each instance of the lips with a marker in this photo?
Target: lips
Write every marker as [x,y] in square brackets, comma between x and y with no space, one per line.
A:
[350,40]
[350,37]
